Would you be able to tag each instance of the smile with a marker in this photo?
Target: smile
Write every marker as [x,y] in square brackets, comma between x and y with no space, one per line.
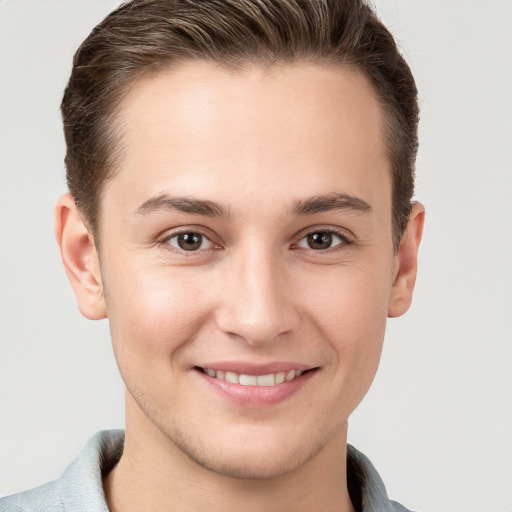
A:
[270,379]
[255,386]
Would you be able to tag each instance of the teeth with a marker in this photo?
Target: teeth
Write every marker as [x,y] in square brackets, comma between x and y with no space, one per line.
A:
[248,380]
[254,380]
[266,380]
[230,377]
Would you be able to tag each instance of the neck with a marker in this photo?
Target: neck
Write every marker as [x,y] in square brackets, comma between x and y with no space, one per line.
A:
[153,474]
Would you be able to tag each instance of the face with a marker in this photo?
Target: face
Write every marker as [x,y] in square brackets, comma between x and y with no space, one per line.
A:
[247,260]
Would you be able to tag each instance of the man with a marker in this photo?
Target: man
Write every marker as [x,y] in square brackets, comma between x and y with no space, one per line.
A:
[240,176]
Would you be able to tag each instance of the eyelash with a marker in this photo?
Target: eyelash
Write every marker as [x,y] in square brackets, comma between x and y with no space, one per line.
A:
[344,240]
[165,242]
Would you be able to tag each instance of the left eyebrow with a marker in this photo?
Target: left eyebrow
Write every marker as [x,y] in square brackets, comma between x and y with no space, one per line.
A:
[320,204]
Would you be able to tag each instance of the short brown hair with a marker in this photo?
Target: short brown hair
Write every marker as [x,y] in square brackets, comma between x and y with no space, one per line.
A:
[145,36]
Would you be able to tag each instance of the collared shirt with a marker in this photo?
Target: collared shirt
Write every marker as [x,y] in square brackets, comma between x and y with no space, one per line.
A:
[80,488]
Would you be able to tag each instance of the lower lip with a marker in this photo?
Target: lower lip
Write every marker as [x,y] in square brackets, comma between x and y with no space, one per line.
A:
[256,396]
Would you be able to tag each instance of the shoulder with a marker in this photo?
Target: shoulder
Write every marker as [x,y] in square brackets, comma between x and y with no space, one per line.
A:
[80,486]
[46,498]
[396,507]
[366,487]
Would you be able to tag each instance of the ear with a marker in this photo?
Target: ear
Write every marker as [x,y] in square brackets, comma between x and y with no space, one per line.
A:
[80,258]
[406,264]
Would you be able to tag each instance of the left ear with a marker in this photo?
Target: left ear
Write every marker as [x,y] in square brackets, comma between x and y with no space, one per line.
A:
[407,263]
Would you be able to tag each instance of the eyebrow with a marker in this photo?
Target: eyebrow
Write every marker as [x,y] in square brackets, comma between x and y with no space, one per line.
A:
[309,206]
[183,205]
[320,204]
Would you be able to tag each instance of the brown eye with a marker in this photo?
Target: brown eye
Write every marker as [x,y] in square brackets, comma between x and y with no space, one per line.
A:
[190,241]
[321,240]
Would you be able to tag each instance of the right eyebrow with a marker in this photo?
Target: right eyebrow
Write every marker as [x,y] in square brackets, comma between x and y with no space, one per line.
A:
[182,205]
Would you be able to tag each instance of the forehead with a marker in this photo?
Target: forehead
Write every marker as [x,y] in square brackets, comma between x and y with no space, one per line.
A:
[203,129]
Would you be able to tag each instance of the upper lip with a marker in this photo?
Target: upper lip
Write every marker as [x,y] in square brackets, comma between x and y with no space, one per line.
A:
[248,368]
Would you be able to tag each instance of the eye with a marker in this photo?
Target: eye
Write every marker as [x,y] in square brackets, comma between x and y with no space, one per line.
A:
[321,240]
[190,241]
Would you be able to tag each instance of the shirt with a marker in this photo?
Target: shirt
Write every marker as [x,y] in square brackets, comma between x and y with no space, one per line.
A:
[80,487]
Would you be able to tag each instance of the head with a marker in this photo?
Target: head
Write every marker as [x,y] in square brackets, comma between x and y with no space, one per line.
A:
[241,176]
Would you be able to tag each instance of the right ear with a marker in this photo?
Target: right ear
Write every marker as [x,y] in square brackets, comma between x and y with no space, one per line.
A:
[80,258]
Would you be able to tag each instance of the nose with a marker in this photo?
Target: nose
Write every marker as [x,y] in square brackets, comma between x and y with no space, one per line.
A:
[257,303]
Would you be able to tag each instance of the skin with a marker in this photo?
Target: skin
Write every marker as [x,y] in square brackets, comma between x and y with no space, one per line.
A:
[260,143]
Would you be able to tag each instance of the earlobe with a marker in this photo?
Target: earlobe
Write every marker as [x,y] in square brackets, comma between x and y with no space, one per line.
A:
[80,258]
[407,263]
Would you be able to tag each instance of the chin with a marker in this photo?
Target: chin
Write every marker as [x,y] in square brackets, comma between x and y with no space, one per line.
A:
[265,466]
[260,458]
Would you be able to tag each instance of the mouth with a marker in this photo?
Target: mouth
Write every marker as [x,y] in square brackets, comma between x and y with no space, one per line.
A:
[257,386]
[264,380]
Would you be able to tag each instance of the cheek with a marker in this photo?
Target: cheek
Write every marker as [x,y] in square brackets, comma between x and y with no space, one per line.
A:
[351,313]
[351,301]
[154,312]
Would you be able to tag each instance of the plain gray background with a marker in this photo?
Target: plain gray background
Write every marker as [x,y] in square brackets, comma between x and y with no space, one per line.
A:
[437,423]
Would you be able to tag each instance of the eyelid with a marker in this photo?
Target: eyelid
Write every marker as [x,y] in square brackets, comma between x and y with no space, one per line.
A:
[203,240]
[348,240]
[343,233]
[167,235]
[341,241]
